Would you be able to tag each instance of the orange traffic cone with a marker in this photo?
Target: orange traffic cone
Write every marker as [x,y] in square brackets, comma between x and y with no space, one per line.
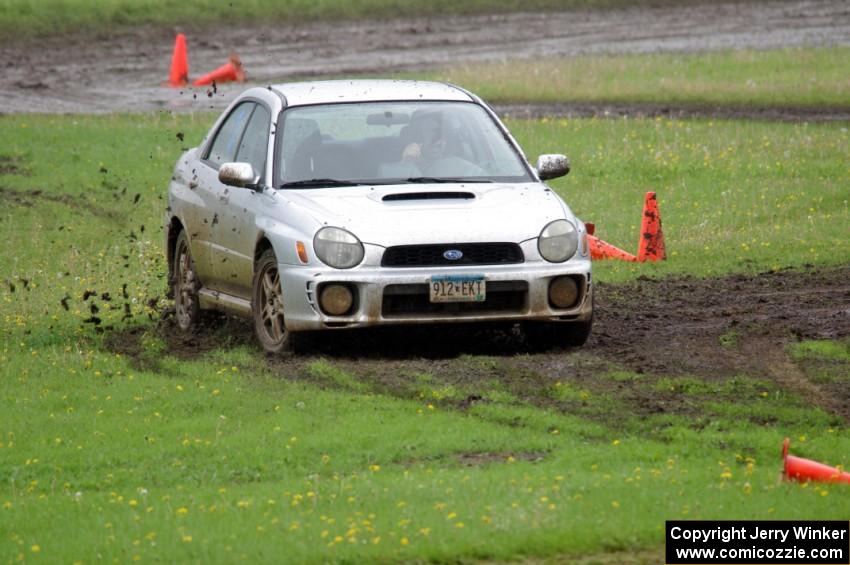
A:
[179,75]
[230,71]
[603,250]
[651,245]
[799,469]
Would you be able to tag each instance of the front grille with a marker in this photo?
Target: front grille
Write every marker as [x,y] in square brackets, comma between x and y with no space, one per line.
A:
[401,300]
[432,254]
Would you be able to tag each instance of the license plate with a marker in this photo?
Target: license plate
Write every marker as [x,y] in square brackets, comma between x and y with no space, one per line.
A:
[458,288]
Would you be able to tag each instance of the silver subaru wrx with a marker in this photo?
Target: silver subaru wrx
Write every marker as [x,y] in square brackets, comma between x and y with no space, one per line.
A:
[343,204]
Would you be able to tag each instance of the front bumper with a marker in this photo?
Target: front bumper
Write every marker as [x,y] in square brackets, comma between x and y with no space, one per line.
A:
[379,288]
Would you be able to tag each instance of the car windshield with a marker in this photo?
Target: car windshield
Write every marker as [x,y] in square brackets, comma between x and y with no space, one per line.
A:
[394,142]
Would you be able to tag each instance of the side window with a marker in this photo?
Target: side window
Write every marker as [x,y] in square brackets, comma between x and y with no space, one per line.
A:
[255,142]
[224,146]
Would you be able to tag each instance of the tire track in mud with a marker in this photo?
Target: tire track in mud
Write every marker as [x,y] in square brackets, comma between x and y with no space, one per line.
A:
[123,71]
[30,198]
[673,327]
[672,111]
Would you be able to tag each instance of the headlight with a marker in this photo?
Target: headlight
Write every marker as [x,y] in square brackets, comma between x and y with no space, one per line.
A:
[338,248]
[558,241]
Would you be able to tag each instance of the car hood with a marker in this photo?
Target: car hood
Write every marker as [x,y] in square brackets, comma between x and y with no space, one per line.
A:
[430,213]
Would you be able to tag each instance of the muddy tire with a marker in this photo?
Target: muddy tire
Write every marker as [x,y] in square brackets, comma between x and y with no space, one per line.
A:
[542,336]
[267,307]
[187,308]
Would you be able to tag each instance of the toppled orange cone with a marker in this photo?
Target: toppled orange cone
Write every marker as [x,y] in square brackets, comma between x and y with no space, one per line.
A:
[179,75]
[799,469]
[229,72]
[651,244]
[603,250]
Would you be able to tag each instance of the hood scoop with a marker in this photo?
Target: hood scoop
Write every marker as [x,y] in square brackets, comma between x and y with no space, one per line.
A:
[436,195]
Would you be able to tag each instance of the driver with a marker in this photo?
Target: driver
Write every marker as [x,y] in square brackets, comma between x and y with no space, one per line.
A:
[430,150]
[429,143]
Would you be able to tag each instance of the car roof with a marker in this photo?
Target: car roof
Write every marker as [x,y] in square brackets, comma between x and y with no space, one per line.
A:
[341,91]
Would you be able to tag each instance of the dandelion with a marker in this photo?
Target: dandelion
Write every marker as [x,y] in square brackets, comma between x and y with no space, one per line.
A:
[374,468]
[186,538]
[404,541]
[35,548]
[182,511]
[615,504]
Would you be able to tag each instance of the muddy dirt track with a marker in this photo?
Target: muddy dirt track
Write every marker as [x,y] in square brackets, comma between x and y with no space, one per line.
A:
[123,70]
[710,329]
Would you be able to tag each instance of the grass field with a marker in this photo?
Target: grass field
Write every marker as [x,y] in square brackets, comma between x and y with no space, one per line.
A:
[802,77]
[44,17]
[218,457]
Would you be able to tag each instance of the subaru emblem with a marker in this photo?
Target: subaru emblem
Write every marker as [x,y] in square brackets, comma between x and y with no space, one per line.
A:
[453,254]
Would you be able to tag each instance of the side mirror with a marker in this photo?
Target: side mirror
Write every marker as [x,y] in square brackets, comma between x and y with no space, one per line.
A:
[552,166]
[240,175]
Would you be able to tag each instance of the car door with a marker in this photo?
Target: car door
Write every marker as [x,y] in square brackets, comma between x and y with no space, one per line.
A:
[237,226]
[215,195]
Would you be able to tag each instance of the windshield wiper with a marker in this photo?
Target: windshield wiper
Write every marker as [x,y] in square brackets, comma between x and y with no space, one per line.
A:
[441,180]
[318,183]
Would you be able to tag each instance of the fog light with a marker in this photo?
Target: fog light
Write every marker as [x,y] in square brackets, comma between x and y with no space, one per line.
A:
[336,299]
[563,292]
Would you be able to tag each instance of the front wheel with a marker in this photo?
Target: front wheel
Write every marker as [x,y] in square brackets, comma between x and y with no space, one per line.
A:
[267,305]
[187,307]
